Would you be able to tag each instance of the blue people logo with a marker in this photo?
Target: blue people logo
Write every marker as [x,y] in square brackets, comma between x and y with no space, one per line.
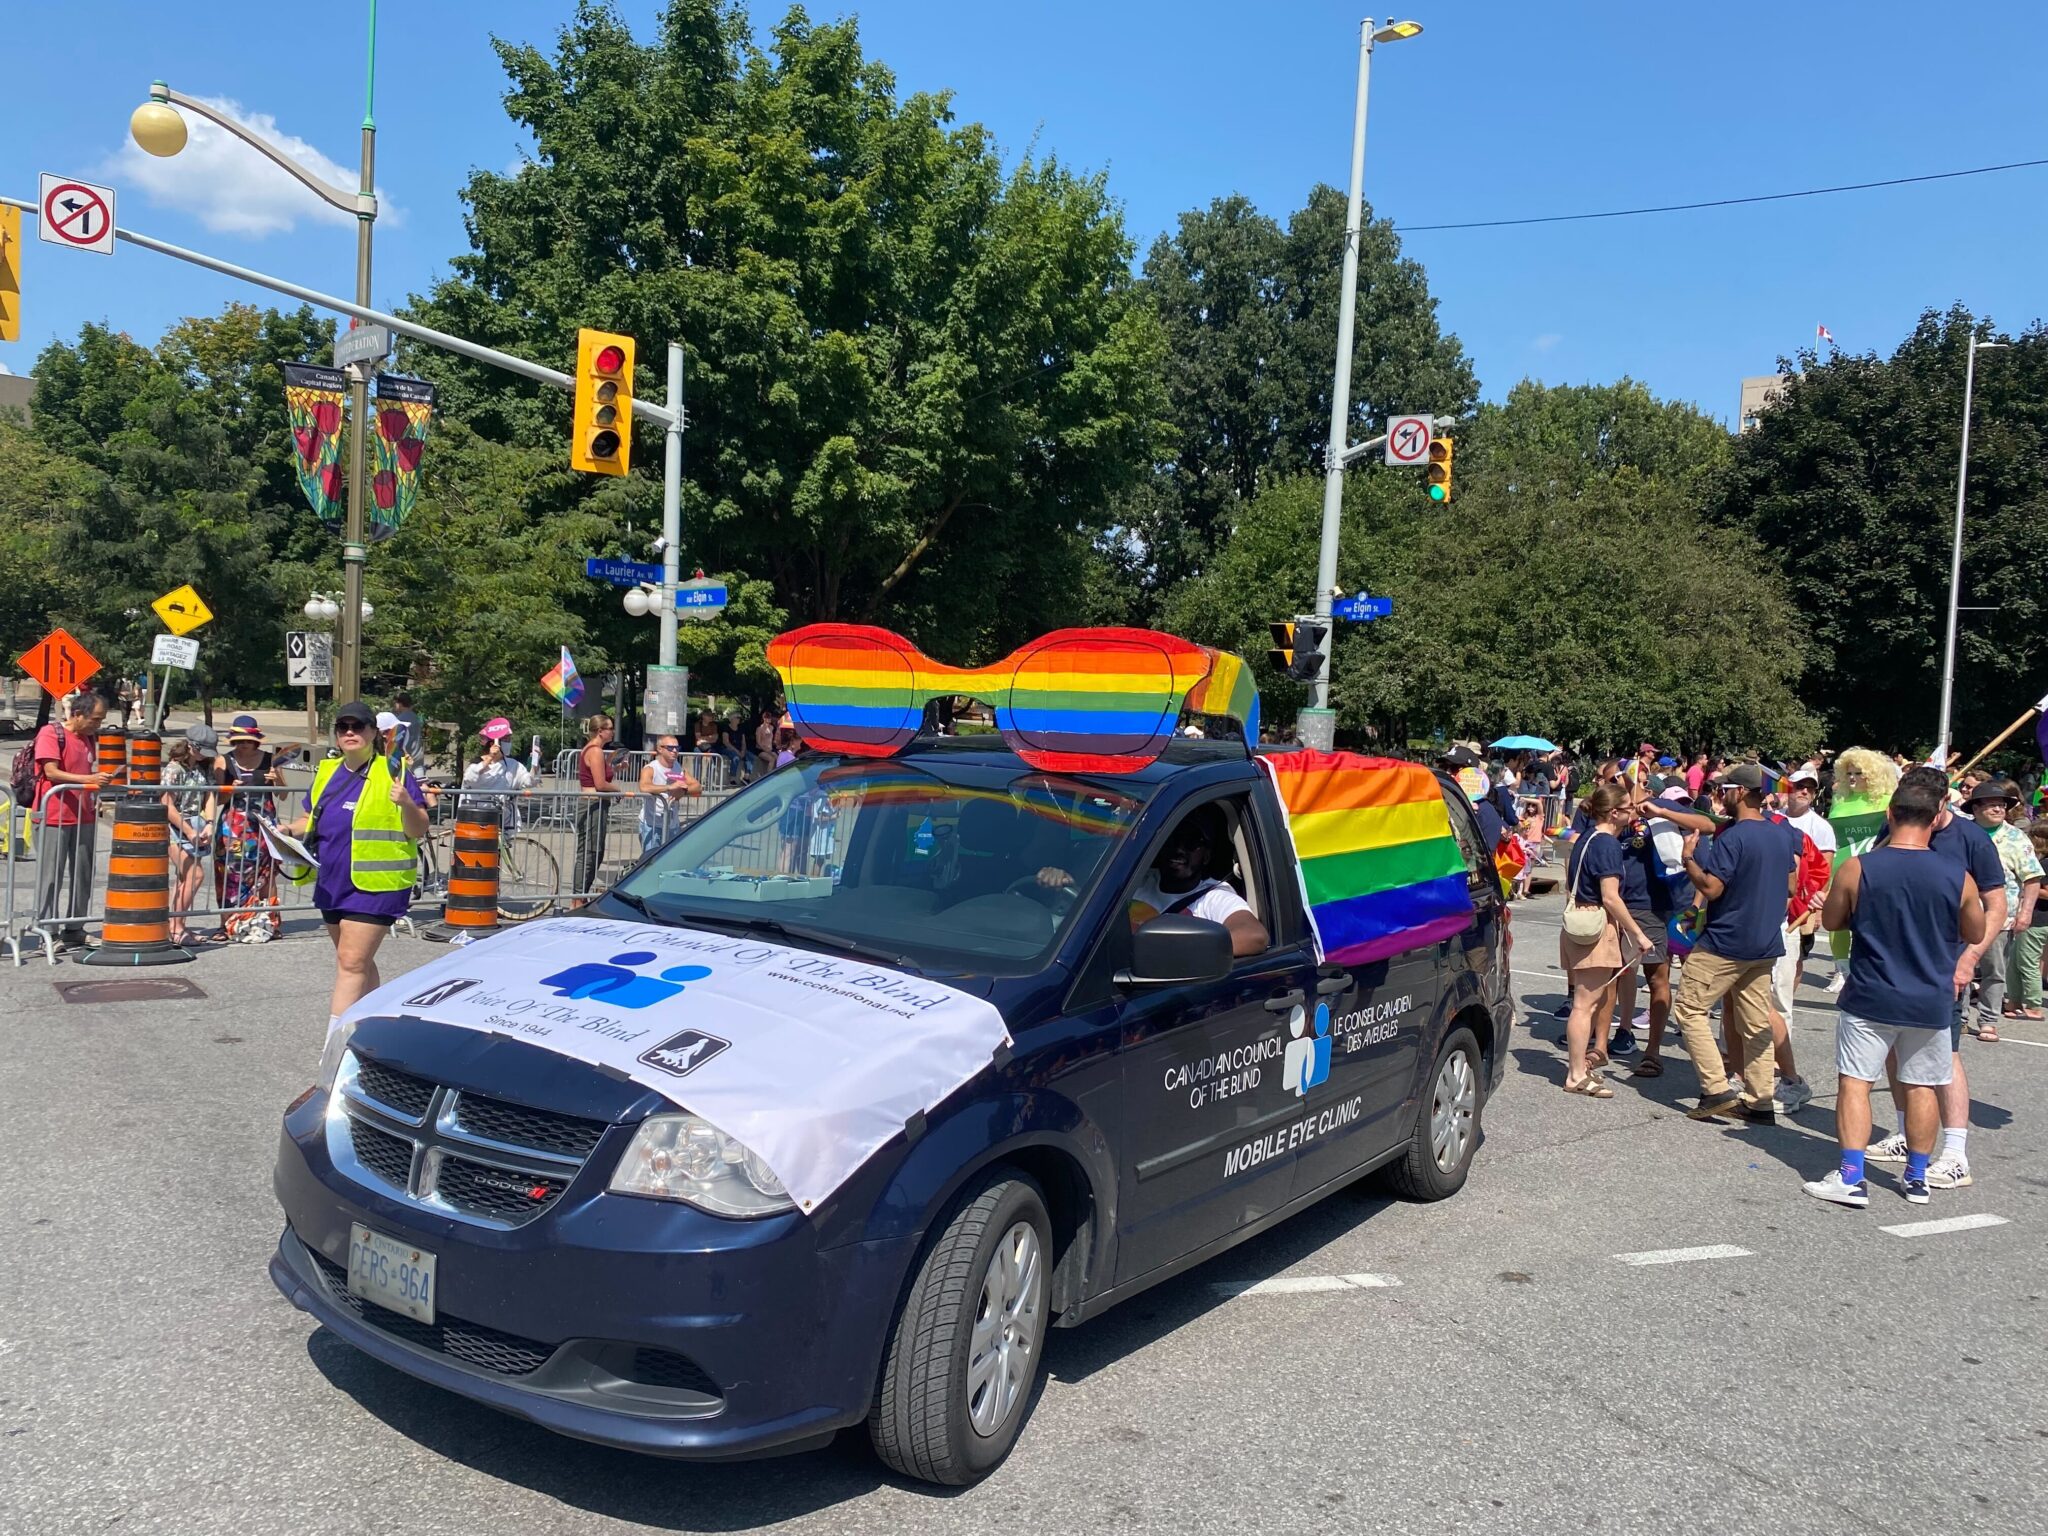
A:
[1306,1063]
[616,986]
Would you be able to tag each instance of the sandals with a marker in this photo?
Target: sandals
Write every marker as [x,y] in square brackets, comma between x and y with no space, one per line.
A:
[1590,1086]
[1649,1066]
[1988,1033]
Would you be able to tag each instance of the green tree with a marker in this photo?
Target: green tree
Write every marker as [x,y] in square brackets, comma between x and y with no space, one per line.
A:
[914,378]
[1249,313]
[41,492]
[1849,481]
[1566,435]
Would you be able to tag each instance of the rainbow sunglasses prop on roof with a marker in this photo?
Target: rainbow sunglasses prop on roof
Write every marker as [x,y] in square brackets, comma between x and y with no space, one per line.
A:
[1380,866]
[1076,700]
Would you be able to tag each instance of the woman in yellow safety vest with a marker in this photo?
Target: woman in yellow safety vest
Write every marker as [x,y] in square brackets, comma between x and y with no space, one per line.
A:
[364,822]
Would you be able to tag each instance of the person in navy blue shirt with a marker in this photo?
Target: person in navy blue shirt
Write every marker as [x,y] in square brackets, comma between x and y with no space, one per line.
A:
[1745,876]
[1963,842]
[1910,909]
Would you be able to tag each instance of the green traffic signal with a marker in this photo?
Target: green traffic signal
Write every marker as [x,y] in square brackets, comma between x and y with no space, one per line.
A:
[1436,493]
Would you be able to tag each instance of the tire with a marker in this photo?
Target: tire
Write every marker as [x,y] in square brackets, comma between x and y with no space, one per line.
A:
[1448,1110]
[945,1412]
[529,879]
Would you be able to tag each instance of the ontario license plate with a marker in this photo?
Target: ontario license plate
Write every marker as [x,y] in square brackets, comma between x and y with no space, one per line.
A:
[390,1273]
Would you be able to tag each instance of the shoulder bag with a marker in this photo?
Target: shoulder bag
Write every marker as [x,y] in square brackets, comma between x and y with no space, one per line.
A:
[1584,924]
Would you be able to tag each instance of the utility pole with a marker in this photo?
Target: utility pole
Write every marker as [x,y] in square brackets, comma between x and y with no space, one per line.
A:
[1955,565]
[1318,723]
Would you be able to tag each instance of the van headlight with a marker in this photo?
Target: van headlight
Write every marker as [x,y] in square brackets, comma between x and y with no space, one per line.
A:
[684,1157]
[330,1056]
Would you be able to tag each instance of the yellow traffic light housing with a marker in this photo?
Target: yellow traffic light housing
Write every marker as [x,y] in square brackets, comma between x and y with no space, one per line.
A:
[10,273]
[1281,655]
[603,440]
[1438,478]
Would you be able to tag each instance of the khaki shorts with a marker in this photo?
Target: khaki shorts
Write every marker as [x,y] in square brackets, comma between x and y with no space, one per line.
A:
[1785,974]
[1862,1045]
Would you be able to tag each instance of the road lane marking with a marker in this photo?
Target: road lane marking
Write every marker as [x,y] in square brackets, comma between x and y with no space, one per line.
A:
[2038,1045]
[1686,1255]
[1946,1224]
[1300,1285]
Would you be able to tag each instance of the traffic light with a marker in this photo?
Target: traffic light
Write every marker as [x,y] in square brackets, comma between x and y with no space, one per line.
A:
[1308,651]
[603,440]
[10,273]
[1439,477]
[1281,656]
[1297,650]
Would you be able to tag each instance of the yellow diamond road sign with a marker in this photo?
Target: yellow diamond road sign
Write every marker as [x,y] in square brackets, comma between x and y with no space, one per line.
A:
[182,611]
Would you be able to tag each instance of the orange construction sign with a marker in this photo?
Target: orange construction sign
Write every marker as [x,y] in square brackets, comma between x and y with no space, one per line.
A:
[59,663]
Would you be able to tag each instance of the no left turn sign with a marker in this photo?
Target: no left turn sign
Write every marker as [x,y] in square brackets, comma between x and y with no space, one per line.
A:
[1408,439]
[77,214]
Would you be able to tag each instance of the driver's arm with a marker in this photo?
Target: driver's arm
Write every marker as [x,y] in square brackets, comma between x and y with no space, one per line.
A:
[1248,935]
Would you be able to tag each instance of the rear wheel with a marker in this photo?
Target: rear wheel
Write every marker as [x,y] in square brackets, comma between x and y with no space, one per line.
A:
[963,1357]
[529,879]
[1446,1130]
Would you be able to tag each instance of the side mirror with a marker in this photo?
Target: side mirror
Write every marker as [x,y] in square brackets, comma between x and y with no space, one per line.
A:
[1176,949]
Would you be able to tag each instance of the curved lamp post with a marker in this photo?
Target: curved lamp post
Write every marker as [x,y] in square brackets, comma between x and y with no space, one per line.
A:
[158,128]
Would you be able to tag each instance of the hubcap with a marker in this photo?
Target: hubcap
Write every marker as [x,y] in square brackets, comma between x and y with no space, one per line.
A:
[1452,1104]
[1003,1349]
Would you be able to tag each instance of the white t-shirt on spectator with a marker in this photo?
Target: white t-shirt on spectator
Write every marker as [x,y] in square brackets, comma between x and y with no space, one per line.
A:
[1816,826]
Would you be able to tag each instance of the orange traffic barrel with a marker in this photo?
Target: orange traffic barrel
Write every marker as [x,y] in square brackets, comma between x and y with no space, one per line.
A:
[113,756]
[138,926]
[145,758]
[473,870]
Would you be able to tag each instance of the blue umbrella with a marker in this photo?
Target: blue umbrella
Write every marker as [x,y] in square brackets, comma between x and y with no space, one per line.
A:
[1526,744]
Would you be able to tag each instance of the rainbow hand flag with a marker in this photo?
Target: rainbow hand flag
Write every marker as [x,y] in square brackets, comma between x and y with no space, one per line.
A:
[1379,864]
[563,681]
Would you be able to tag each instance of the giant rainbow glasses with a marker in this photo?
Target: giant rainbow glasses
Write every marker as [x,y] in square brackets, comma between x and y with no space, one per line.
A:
[1087,700]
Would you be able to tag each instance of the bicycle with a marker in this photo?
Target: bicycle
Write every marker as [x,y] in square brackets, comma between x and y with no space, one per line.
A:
[529,878]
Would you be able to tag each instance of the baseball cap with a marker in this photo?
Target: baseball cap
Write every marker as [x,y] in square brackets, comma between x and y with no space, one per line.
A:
[1804,776]
[1459,757]
[386,720]
[1744,776]
[1667,762]
[1676,792]
[356,710]
[497,728]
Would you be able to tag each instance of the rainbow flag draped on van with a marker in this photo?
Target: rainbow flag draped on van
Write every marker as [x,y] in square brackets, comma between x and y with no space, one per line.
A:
[1380,866]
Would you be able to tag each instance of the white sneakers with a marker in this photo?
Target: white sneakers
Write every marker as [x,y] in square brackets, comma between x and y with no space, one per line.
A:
[1837,981]
[1949,1171]
[1891,1150]
[1835,1192]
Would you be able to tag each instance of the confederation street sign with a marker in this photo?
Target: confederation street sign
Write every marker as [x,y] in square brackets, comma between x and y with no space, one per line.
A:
[366,343]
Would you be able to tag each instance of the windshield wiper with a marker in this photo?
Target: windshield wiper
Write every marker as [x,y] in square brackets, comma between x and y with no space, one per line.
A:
[635,903]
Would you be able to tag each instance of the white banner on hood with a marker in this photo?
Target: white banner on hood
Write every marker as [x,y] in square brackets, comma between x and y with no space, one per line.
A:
[811,1060]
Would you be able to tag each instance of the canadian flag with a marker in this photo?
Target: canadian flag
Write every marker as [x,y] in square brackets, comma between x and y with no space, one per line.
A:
[1822,333]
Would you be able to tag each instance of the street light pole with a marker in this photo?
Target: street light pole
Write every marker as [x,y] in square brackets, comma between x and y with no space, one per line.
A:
[1955,567]
[159,130]
[354,550]
[1318,723]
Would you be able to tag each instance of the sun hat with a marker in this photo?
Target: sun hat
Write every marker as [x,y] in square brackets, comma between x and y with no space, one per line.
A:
[1992,789]
[497,728]
[244,728]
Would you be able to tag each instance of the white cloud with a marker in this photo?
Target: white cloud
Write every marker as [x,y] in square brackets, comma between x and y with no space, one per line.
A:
[5,369]
[230,187]
[1546,341]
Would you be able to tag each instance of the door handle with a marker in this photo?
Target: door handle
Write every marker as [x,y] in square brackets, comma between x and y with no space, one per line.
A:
[1331,983]
[1283,1002]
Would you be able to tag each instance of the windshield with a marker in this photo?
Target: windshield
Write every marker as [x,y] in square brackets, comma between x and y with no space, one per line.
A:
[943,866]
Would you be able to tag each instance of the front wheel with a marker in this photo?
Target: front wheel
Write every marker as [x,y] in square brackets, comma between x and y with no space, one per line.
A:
[963,1356]
[1446,1130]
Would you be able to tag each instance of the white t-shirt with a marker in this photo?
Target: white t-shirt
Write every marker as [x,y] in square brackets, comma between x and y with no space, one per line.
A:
[1816,826]
[1216,902]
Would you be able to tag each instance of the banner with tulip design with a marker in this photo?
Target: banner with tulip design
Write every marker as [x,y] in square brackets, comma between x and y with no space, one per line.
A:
[403,409]
[313,398]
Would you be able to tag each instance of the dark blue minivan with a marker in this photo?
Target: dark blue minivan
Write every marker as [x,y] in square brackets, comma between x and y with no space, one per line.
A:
[1150,1112]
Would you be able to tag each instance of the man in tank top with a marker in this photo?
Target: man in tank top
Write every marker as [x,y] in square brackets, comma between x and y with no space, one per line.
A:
[1910,911]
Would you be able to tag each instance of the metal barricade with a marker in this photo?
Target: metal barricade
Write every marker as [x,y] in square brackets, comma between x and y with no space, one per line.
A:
[711,769]
[559,848]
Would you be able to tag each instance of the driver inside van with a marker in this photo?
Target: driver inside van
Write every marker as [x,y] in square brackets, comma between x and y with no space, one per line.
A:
[1179,881]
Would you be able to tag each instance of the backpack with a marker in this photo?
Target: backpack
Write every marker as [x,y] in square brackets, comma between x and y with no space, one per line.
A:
[21,781]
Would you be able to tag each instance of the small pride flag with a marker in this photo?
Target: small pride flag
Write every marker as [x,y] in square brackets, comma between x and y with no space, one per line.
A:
[563,681]
[1379,864]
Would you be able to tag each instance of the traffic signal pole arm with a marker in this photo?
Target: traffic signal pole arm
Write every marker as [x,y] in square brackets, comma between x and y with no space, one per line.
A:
[646,410]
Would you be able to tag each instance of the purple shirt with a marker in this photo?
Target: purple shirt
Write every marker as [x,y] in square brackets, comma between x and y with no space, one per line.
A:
[333,823]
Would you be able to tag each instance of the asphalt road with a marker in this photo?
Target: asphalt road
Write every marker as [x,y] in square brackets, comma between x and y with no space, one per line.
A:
[1497,1363]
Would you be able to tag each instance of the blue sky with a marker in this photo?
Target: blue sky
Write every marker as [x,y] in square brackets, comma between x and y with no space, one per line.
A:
[1499,110]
